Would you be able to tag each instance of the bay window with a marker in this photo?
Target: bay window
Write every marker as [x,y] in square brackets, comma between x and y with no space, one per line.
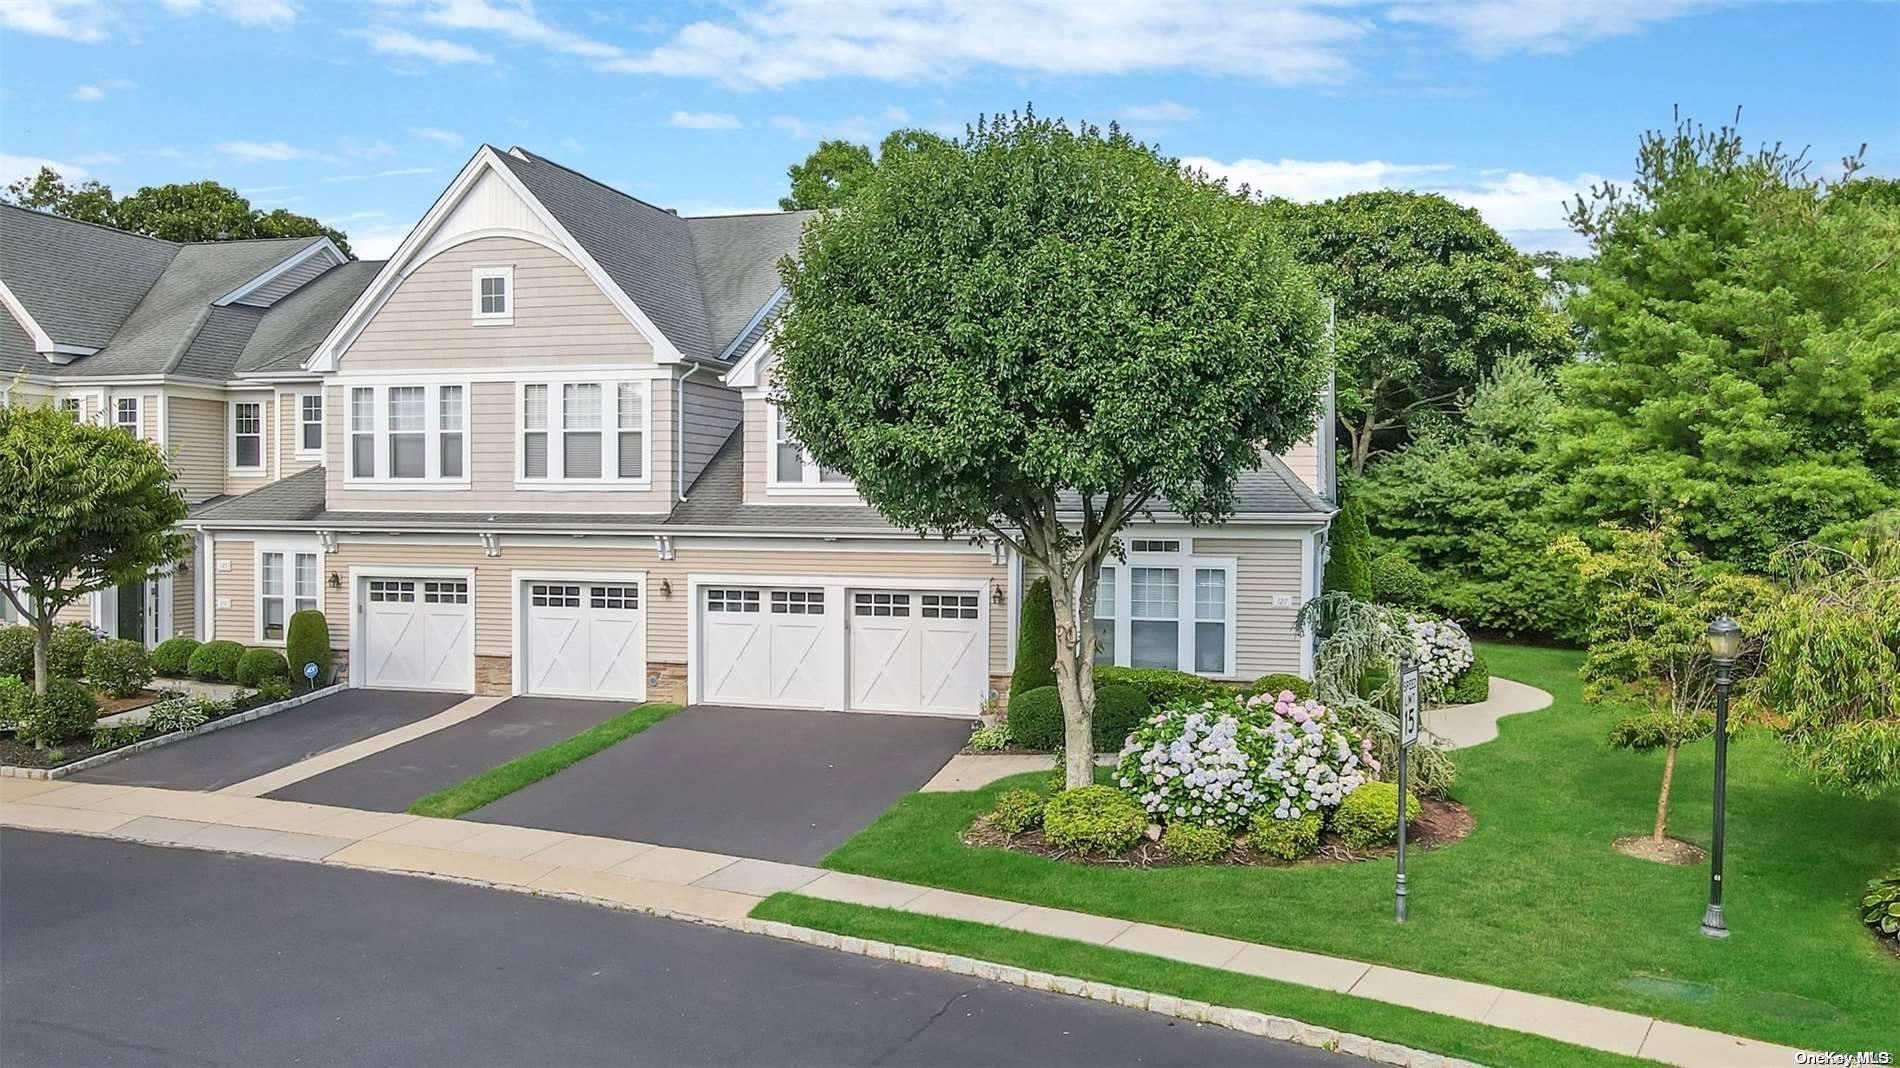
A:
[590,433]
[1166,609]
[413,436]
[286,584]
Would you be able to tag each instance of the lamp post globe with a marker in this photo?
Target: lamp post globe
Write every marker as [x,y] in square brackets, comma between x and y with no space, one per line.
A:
[1725,647]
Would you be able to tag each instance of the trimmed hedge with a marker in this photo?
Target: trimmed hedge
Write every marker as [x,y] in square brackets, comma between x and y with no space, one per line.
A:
[1276,684]
[64,713]
[1194,844]
[1093,819]
[259,664]
[1286,839]
[1398,581]
[1035,718]
[1369,816]
[308,642]
[16,652]
[1017,811]
[1035,641]
[1472,686]
[66,653]
[119,667]
[216,661]
[1165,688]
[16,696]
[173,656]
[1118,711]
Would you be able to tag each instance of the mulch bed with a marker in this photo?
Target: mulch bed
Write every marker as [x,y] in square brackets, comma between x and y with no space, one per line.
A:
[1439,823]
[1668,851]
[110,706]
[16,753]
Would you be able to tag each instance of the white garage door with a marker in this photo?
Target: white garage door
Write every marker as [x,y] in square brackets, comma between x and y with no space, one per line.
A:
[768,646]
[417,634]
[917,651]
[585,639]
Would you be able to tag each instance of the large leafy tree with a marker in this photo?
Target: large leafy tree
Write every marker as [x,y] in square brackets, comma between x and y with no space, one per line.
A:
[88,508]
[1428,298]
[835,170]
[191,211]
[1039,332]
[1743,324]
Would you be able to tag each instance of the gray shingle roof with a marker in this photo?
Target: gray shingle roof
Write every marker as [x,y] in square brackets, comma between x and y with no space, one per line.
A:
[738,266]
[298,497]
[293,327]
[1272,489]
[77,280]
[717,499]
[16,349]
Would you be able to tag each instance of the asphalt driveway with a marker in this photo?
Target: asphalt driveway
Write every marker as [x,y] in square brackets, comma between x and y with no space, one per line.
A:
[392,780]
[214,761]
[773,783]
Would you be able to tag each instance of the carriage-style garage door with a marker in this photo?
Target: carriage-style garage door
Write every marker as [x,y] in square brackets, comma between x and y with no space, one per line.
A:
[417,634]
[768,646]
[917,651]
[585,638]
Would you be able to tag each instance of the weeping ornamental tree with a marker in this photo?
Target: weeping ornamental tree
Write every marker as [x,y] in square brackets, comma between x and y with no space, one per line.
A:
[1038,332]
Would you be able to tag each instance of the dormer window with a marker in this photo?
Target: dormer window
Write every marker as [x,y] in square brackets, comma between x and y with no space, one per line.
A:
[791,467]
[494,296]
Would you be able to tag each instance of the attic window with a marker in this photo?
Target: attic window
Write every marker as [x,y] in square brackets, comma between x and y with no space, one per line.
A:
[493,296]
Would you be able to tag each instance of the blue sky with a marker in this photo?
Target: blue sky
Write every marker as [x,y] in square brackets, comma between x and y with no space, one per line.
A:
[360,111]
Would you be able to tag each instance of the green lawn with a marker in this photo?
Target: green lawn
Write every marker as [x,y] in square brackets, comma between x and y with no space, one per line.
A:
[1535,899]
[498,782]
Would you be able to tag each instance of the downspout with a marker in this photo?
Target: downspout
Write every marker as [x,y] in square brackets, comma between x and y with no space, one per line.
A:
[679,436]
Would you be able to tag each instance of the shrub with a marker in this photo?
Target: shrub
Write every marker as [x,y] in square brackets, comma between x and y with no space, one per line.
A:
[308,642]
[119,667]
[1118,711]
[1398,581]
[16,696]
[1093,819]
[1472,686]
[1275,685]
[66,652]
[177,714]
[270,691]
[1288,839]
[256,665]
[1369,816]
[173,656]
[1348,563]
[1035,718]
[117,736]
[1880,908]
[1035,641]
[1017,811]
[65,712]
[1442,651]
[1195,845]
[984,738]
[216,661]
[16,652]
[1163,687]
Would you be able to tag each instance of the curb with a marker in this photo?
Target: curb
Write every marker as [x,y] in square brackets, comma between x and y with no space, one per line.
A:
[7,771]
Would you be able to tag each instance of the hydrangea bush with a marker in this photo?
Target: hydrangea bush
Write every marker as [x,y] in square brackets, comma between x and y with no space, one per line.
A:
[1316,760]
[1442,651]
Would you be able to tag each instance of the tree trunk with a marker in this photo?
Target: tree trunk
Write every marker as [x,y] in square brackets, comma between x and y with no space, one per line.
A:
[1662,799]
[42,650]
[1078,742]
[1361,444]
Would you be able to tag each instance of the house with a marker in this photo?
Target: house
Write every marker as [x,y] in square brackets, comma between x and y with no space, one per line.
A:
[535,452]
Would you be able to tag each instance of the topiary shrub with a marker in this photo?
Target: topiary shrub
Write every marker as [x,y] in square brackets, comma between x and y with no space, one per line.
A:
[1017,811]
[16,696]
[119,667]
[1035,641]
[1277,684]
[216,661]
[1118,711]
[1288,839]
[256,665]
[308,642]
[1348,562]
[1093,819]
[1369,816]
[1880,907]
[66,652]
[173,656]
[1398,581]
[64,713]
[16,652]
[1165,688]
[1035,718]
[1190,844]
[1472,686]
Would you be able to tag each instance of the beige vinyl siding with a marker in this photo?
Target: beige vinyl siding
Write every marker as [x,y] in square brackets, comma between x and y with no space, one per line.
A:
[1303,458]
[148,416]
[236,587]
[235,483]
[184,604]
[491,453]
[195,437]
[757,435]
[1266,641]
[79,611]
[560,317]
[290,432]
[711,413]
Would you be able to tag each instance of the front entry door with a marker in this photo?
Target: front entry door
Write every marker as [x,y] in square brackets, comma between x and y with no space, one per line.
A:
[132,613]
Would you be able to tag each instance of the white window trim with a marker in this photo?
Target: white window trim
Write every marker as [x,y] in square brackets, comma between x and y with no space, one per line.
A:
[1185,563]
[481,318]
[138,419]
[807,484]
[323,429]
[263,435]
[609,430]
[289,550]
[431,481]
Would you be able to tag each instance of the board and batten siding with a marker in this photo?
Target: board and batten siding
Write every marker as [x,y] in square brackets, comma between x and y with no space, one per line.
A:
[234,611]
[195,434]
[1265,641]
[710,412]
[561,319]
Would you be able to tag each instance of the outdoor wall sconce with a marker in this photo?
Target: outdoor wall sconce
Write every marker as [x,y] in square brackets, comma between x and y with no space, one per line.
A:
[666,589]
[996,594]
[336,581]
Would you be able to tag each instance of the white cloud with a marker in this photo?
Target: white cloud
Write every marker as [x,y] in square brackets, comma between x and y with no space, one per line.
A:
[439,136]
[1300,179]
[96,159]
[74,20]
[264,151]
[398,172]
[1497,27]
[376,242]
[1165,111]
[865,129]
[775,43]
[435,50]
[90,93]
[704,120]
[516,19]
[272,13]
[13,168]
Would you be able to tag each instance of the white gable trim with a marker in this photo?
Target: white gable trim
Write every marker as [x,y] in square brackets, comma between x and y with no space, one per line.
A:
[749,372]
[41,341]
[484,162]
[752,323]
[323,248]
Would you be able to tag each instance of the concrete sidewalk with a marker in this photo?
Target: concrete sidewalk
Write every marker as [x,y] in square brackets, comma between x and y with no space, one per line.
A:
[716,888]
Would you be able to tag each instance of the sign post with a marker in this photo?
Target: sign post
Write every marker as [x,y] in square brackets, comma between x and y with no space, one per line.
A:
[1408,733]
[310,675]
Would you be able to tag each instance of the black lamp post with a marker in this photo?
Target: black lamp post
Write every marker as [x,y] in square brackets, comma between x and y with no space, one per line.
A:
[1725,644]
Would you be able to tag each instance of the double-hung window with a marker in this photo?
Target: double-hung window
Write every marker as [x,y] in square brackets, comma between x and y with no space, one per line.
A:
[408,431]
[450,415]
[403,435]
[587,433]
[1165,608]
[286,584]
[71,407]
[125,415]
[363,432]
[791,466]
[247,435]
[310,423]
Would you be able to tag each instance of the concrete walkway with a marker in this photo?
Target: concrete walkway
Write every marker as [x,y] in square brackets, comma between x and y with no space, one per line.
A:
[721,889]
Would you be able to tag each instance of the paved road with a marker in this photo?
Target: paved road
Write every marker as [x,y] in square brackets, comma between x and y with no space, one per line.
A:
[126,954]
